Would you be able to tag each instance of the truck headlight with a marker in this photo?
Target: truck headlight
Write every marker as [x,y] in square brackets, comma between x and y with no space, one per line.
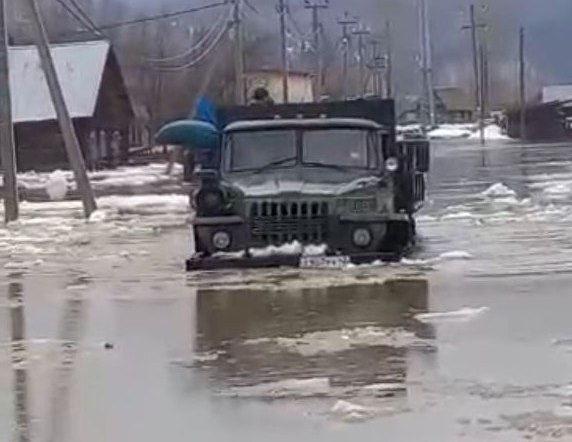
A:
[392,164]
[210,201]
[361,237]
[221,240]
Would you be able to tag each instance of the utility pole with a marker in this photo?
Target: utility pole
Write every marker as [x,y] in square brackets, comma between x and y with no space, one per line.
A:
[389,67]
[70,138]
[238,52]
[346,22]
[317,31]
[522,84]
[361,32]
[7,147]
[473,27]
[482,106]
[377,66]
[284,49]
[426,62]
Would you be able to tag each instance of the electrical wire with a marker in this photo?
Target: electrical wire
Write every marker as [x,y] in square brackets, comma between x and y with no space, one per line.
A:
[221,20]
[76,15]
[198,59]
[84,15]
[161,16]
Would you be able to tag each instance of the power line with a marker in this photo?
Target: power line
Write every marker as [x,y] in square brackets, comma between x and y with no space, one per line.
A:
[221,20]
[161,16]
[198,59]
[76,15]
[84,15]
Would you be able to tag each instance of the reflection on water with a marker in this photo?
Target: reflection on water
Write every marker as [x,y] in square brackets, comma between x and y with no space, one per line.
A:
[350,336]
[18,336]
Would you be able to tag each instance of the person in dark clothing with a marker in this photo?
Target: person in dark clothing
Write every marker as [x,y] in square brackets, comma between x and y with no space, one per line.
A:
[261,96]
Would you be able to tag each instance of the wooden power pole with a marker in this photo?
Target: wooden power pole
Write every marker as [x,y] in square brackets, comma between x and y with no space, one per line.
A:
[361,32]
[346,22]
[522,84]
[389,68]
[7,147]
[283,49]
[240,87]
[427,62]
[71,142]
[317,31]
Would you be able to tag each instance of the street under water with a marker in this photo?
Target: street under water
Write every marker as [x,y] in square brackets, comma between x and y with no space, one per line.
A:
[103,337]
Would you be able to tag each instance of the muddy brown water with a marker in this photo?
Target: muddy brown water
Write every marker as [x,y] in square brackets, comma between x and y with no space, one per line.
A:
[104,338]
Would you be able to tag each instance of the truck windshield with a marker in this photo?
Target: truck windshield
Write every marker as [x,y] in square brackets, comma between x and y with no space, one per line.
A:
[261,149]
[339,147]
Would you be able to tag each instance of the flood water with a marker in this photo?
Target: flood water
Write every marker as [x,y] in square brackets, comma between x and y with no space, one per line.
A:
[103,337]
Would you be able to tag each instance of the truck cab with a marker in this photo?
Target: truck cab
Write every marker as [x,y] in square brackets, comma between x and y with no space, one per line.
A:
[336,179]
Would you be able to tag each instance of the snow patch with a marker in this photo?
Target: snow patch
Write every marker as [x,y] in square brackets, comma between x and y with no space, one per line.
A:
[463,315]
[450,132]
[315,250]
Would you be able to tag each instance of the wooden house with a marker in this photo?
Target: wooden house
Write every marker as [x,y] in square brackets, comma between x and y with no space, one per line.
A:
[96,97]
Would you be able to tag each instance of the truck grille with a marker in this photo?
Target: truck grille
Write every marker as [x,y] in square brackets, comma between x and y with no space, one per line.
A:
[277,222]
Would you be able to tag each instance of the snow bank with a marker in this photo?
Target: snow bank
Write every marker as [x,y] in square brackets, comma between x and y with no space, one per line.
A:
[463,315]
[492,132]
[449,132]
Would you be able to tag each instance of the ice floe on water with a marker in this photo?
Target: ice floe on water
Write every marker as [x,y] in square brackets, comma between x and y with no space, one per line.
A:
[352,413]
[57,186]
[499,190]
[462,315]
[335,341]
[313,388]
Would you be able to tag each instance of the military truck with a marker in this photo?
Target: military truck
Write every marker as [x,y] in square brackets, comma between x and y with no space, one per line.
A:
[327,175]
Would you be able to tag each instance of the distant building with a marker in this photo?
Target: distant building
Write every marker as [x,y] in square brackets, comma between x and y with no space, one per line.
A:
[454,105]
[299,85]
[551,94]
[96,97]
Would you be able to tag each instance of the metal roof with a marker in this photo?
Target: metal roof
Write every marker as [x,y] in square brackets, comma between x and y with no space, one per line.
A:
[354,123]
[80,68]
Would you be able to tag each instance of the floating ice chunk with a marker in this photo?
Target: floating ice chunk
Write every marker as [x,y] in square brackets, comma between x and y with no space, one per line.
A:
[352,413]
[293,248]
[98,216]
[315,250]
[284,389]
[230,255]
[455,255]
[499,190]
[57,185]
[463,315]
[458,215]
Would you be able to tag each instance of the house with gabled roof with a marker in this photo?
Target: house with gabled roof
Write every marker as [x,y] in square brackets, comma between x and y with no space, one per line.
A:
[96,97]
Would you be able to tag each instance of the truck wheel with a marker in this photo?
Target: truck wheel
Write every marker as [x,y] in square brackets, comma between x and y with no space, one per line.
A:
[399,237]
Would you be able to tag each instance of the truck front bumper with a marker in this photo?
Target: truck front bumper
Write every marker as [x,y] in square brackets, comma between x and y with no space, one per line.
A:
[197,262]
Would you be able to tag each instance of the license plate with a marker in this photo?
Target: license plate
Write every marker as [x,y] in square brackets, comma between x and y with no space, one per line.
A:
[324,262]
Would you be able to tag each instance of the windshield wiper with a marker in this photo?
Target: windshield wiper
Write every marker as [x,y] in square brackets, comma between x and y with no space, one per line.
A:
[327,166]
[274,164]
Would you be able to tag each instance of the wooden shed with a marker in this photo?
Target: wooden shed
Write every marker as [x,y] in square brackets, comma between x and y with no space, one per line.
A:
[96,96]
